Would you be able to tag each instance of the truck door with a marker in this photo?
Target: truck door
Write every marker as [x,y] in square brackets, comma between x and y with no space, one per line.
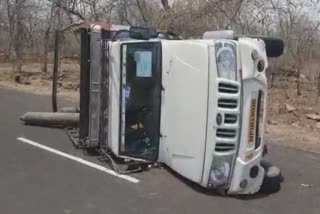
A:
[140,92]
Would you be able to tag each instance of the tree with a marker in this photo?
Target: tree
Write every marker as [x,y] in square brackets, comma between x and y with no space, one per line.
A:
[299,27]
[50,22]
[15,13]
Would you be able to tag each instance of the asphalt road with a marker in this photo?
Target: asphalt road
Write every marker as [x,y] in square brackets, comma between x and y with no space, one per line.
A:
[35,181]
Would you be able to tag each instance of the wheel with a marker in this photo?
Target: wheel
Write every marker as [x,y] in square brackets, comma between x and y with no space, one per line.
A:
[272,179]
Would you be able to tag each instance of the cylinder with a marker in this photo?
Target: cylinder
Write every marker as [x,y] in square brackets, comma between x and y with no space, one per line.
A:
[49,119]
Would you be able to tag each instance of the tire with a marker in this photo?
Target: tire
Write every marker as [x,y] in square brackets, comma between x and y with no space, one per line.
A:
[272,179]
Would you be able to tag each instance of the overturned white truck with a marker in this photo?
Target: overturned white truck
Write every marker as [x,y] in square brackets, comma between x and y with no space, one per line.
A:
[198,106]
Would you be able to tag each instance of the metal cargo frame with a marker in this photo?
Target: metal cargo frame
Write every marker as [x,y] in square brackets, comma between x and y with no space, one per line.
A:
[94,87]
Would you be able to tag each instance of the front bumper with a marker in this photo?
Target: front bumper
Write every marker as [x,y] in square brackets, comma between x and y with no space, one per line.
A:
[244,179]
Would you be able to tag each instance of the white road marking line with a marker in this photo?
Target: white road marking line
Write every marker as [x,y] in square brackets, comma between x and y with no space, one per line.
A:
[79,160]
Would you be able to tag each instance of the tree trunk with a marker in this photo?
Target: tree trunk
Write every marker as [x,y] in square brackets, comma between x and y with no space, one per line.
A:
[18,56]
[45,52]
[272,79]
[170,23]
[142,9]
[55,70]
[18,41]
[319,84]
[165,4]
[47,40]
[299,83]
[45,60]
[11,20]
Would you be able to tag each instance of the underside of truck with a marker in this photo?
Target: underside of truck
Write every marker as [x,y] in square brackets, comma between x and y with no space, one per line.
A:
[140,97]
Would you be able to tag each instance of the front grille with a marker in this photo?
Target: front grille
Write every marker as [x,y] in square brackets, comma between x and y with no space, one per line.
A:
[230,118]
[227,103]
[224,147]
[228,88]
[226,133]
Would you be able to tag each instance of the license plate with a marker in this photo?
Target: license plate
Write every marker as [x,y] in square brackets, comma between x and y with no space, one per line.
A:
[252,121]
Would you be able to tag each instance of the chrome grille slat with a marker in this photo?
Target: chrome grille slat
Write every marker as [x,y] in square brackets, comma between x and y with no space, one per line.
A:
[226,133]
[228,88]
[230,118]
[227,103]
[224,147]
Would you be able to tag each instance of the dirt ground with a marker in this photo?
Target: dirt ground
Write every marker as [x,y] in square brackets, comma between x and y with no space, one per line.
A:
[34,81]
[287,113]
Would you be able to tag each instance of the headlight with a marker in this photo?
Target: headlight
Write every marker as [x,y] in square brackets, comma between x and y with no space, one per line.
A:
[226,60]
[220,172]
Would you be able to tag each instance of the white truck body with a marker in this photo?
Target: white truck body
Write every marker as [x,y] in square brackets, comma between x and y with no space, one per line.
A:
[191,141]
